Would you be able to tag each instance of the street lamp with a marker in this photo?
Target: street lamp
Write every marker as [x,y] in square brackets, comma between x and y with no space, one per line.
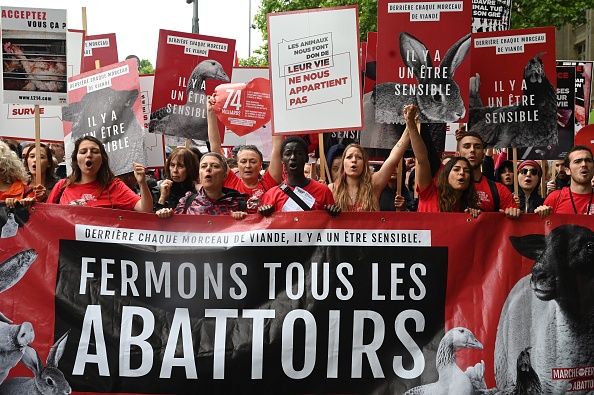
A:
[195,27]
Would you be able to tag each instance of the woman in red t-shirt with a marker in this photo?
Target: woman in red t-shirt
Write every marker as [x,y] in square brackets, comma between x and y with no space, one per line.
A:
[454,189]
[249,164]
[93,184]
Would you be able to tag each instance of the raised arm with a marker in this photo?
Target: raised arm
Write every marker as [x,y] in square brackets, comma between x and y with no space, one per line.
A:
[214,138]
[275,168]
[423,169]
[381,177]
[145,204]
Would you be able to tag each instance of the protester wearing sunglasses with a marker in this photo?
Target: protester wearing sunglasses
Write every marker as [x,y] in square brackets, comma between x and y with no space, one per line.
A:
[529,176]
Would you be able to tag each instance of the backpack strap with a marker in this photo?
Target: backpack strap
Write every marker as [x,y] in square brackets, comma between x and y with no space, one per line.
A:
[495,194]
[189,201]
[285,188]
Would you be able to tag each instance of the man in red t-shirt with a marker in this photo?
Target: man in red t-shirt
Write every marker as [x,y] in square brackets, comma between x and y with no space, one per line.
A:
[472,147]
[297,193]
[577,197]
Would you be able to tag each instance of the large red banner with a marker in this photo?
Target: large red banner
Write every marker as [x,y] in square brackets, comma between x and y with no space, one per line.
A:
[297,303]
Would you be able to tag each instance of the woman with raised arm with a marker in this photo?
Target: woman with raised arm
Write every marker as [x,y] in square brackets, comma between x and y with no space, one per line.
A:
[249,163]
[356,188]
[46,167]
[93,184]
[454,189]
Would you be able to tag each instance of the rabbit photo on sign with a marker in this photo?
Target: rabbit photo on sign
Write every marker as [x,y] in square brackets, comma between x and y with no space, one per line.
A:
[436,95]
[48,380]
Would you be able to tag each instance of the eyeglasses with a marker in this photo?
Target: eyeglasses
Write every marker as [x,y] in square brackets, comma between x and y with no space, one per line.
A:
[534,172]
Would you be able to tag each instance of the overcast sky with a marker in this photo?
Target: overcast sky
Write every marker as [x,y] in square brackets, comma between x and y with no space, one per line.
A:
[136,23]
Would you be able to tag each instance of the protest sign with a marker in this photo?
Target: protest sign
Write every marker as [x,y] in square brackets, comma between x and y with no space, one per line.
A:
[105,103]
[513,101]
[243,107]
[421,52]
[361,303]
[102,48]
[314,70]
[189,67]
[490,15]
[34,55]
[17,121]
[583,90]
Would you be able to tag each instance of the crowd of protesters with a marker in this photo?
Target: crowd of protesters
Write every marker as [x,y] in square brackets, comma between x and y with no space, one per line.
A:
[208,183]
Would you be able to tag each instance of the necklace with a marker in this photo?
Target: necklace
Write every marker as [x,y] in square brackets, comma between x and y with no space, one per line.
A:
[353,196]
[587,207]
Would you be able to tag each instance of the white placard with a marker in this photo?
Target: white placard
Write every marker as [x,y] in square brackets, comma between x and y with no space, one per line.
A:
[314,68]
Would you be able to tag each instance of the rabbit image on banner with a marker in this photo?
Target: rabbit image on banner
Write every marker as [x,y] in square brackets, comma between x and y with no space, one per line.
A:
[48,380]
[437,94]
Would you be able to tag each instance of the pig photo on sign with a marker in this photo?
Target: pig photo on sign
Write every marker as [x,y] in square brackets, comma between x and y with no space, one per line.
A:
[107,114]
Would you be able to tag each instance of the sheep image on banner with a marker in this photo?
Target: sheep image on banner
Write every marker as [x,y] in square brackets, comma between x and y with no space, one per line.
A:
[551,311]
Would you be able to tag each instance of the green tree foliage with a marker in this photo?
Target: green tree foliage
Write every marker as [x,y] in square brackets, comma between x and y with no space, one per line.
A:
[146,67]
[525,13]
[558,13]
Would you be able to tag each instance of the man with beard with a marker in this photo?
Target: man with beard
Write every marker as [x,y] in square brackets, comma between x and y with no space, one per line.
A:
[493,196]
[577,198]
[297,192]
[561,180]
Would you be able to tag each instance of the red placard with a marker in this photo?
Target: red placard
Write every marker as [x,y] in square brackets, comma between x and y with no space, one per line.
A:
[101,47]
[189,67]
[516,73]
[421,56]
[243,108]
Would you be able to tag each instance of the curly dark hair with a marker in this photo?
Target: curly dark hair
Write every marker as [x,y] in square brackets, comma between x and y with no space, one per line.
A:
[446,200]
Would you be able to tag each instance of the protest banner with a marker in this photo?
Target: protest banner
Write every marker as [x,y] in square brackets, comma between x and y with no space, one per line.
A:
[299,303]
[102,48]
[490,15]
[105,103]
[189,67]
[421,52]
[314,70]
[17,121]
[513,98]
[34,55]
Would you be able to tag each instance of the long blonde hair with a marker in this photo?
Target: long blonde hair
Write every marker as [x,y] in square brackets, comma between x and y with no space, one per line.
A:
[366,200]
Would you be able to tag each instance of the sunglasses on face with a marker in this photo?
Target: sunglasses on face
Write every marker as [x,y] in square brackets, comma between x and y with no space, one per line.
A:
[534,172]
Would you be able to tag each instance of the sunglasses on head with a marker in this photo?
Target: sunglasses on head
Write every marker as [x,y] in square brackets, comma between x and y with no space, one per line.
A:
[534,172]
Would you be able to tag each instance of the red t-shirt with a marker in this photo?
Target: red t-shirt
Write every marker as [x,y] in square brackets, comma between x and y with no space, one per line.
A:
[506,200]
[428,200]
[255,194]
[121,196]
[320,192]
[560,201]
